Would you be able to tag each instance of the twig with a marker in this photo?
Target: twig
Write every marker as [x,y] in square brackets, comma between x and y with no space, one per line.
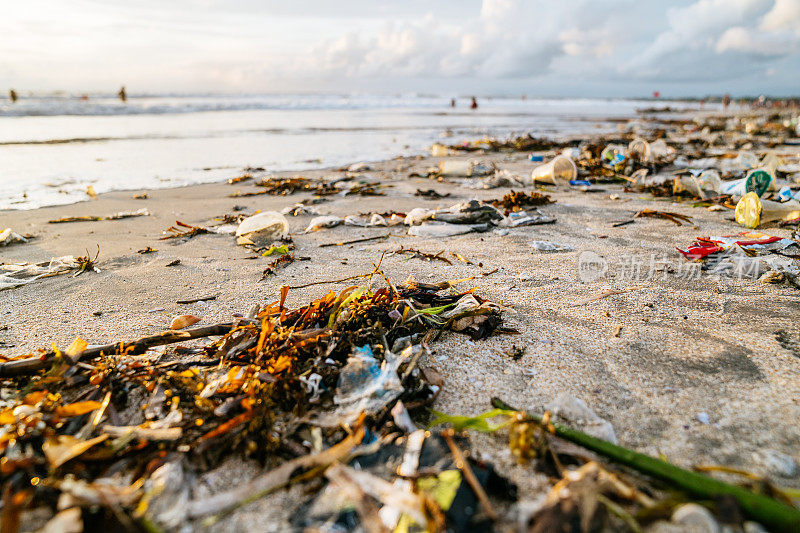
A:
[183,231]
[195,300]
[34,364]
[623,223]
[768,511]
[677,218]
[356,241]
[423,255]
[303,286]
[463,465]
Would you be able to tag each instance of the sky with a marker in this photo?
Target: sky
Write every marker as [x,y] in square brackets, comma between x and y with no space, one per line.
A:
[567,48]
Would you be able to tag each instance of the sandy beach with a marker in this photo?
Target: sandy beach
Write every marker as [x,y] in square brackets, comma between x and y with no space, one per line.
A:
[701,370]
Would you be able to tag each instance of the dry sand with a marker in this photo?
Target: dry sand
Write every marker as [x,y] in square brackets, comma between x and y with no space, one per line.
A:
[728,348]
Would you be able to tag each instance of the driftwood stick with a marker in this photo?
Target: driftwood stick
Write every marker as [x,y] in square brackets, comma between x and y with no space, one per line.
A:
[34,364]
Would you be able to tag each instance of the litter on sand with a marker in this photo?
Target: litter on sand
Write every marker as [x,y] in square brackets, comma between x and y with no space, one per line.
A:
[9,237]
[273,382]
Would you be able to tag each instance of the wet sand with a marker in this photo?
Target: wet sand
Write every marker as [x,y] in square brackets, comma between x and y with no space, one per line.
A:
[724,347]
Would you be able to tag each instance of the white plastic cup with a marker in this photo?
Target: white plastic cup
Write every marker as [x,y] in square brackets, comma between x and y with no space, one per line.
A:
[641,149]
[455,167]
[560,168]
[709,183]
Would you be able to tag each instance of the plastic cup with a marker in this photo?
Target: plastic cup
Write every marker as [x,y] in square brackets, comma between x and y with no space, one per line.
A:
[560,168]
[639,149]
[454,167]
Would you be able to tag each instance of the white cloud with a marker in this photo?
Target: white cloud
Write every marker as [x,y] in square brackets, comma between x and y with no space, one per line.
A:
[556,46]
[784,15]
[750,41]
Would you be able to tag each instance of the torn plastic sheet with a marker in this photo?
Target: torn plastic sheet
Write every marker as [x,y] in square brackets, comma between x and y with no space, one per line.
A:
[365,384]
[18,274]
[752,241]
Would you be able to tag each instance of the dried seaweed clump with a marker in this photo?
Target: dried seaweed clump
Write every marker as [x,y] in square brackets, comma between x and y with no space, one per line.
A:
[93,423]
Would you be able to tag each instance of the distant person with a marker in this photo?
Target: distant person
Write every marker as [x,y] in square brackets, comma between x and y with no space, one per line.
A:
[474,104]
[122,94]
[12,95]
[726,101]
[524,97]
[452,102]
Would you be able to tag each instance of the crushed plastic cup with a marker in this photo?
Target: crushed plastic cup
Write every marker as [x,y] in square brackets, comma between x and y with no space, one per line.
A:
[454,167]
[660,151]
[639,149]
[439,150]
[709,181]
[746,159]
[263,228]
[704,185]
[611,151]
[560,168]
[573,152]
[752,211]
[757,181]
[771,162]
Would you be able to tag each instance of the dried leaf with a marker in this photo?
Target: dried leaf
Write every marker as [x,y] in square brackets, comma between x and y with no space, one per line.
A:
[76,348]
[62,448]
[78,408]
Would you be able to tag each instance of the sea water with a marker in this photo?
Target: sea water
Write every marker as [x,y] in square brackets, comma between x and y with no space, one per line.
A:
[53,147]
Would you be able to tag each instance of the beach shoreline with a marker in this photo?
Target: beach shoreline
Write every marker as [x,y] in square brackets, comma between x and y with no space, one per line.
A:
[691,368]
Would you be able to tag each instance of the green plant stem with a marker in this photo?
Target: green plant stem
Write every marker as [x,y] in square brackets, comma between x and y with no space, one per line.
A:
[768,511]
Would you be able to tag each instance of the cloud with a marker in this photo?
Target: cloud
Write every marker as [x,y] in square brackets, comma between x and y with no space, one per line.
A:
[784,15]
[750,41]
[556,46]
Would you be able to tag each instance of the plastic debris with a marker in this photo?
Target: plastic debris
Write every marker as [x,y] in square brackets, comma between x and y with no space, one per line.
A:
[459,168]
[445,229]
[324,222]
[262,228]
[548,246]
[16,275]
[560,169]
[8,237]
[752,211]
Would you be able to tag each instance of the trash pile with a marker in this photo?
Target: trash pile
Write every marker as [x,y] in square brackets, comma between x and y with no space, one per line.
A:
[111,435]
[748,254]
[335,396]
[329,396]
[730,162]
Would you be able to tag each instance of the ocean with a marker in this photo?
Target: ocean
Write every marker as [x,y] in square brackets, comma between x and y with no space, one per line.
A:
[52,148]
